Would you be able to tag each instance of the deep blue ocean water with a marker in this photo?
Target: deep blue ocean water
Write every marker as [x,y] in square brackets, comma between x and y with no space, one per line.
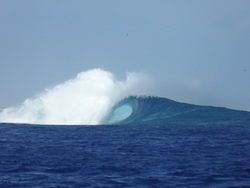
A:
[124,156]
[146,142]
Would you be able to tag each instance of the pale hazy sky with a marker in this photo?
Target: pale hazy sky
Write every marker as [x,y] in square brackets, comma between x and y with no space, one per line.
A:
[197,51]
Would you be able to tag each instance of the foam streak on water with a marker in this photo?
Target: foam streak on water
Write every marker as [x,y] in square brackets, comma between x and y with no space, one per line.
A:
[85,99]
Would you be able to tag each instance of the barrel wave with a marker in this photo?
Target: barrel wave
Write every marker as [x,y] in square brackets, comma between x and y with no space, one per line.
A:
[96,97]
[159,111]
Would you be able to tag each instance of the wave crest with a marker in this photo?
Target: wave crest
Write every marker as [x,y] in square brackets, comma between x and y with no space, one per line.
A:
[83,100]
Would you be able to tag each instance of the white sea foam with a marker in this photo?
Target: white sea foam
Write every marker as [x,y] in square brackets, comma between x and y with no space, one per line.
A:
[83,100]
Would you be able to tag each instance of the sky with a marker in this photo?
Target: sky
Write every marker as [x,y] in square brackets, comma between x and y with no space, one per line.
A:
[196,51]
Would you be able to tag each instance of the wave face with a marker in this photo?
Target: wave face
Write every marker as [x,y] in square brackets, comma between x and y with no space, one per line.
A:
[83,100]
[157,111]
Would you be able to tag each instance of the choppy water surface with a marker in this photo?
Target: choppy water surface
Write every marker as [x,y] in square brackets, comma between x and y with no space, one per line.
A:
[124,156]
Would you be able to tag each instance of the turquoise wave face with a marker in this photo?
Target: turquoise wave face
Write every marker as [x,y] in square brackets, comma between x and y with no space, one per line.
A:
[120,113]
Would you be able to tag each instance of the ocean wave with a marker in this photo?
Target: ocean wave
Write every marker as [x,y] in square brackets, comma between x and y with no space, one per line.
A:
[95,97]
[83,100]
[161,111]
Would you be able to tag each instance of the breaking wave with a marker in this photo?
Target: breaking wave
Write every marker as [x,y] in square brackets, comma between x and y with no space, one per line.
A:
[83,100]
[96,97]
